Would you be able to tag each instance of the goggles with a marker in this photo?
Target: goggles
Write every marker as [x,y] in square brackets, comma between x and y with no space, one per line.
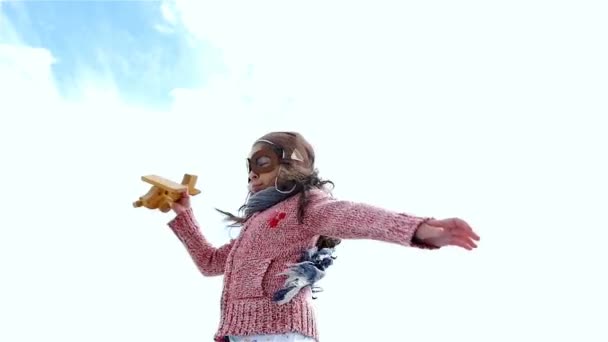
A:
[264,161]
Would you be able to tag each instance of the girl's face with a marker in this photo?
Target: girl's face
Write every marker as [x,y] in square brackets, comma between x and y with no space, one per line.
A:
[263,166]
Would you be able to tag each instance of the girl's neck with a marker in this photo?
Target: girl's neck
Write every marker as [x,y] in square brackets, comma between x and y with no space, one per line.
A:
[264,199]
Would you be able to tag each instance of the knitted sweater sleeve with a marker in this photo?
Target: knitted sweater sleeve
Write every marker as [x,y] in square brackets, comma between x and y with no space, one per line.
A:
[208,259]
[351,220]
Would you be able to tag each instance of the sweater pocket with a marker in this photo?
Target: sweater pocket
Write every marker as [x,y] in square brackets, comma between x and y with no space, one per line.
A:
[248,278]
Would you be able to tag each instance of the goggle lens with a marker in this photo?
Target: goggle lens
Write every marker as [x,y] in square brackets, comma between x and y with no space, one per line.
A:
[263,161]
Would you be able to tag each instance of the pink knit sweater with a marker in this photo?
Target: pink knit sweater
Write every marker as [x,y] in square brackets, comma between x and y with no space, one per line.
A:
[268,242]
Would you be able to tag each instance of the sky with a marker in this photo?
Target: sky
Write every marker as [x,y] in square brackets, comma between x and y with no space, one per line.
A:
[488,111]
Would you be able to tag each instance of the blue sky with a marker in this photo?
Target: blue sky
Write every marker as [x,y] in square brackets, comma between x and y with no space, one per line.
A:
[122,42]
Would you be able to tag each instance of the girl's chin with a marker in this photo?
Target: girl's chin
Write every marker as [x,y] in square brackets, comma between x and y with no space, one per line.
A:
[254,189]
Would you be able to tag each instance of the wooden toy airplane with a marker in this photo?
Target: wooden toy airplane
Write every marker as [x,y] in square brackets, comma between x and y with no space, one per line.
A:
[164,192]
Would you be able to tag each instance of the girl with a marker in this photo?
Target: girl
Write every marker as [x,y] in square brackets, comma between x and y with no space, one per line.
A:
[290,226]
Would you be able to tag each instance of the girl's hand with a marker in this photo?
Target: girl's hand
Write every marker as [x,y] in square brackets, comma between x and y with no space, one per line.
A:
[453,231]
[182,204]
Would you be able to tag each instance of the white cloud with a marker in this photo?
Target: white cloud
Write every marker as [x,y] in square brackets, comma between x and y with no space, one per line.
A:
[170,16]
[261,50]
[168,12]
[25,71]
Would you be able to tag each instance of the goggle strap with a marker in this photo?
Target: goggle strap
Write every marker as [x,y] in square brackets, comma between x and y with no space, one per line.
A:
[266,141]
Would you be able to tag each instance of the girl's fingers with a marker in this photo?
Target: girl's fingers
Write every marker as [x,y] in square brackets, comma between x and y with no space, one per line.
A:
[463,242]
[463,235]
[185,198]
[465,226]
[465,231]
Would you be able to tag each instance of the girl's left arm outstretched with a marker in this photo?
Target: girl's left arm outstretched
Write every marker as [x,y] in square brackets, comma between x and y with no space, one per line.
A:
[352,220]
